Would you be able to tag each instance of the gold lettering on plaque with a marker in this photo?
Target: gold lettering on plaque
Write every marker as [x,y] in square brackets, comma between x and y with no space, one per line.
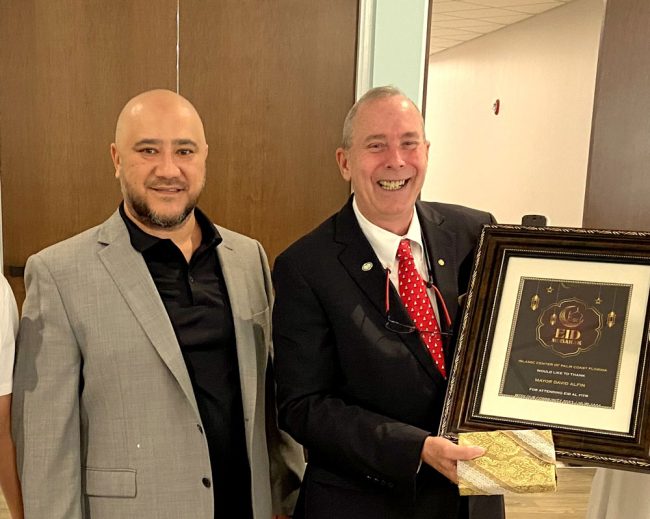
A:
[569,327]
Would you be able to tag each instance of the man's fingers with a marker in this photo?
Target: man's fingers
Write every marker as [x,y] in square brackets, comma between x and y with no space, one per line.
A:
[448,469]
[443,455]
[471,453]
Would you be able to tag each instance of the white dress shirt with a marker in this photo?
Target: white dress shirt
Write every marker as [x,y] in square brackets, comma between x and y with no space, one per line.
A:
[8,332]
[385,245]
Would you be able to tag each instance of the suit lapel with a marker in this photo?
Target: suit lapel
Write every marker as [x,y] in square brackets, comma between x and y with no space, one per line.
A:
[356,253]
[441,247]
[440,242]
[234,275]
[129,272]
[359,260]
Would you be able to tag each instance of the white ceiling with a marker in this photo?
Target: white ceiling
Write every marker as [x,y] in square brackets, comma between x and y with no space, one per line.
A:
[456,21]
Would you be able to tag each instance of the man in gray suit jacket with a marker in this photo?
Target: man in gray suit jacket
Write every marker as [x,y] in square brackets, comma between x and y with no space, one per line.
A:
[143,385]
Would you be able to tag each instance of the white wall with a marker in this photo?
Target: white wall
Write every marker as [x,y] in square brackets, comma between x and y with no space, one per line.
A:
[532,157]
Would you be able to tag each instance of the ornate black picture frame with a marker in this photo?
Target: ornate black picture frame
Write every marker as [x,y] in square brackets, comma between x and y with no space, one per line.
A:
[555,336]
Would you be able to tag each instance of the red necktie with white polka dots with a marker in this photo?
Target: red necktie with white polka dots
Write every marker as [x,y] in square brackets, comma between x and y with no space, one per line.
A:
[413,292]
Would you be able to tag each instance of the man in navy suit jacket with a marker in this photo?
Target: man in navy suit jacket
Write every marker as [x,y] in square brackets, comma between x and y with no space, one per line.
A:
[365,398]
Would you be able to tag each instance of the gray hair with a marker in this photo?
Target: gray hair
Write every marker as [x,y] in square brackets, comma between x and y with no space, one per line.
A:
[372,94]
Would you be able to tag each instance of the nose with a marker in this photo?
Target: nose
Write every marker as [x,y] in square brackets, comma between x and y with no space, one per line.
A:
[394,159]
[167,166]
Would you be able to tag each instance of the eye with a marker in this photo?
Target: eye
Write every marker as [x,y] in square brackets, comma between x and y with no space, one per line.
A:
[375,146]
[147,151]
[409,145]
[185,152]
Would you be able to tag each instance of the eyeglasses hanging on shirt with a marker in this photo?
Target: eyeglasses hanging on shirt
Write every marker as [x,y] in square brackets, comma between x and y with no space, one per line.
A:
[396,326]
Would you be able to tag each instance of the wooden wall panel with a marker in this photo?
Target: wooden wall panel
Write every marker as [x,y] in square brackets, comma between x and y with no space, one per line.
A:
[67,68]
[618,188]
[273,81]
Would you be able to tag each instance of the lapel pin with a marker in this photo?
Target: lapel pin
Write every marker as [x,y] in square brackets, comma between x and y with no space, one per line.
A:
[367,266]
[441,262]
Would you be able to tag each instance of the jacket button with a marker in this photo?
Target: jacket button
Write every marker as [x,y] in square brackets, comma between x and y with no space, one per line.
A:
[198,426]
[206,482]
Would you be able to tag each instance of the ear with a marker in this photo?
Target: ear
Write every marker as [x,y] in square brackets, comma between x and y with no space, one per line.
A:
[344,163]
[115,156]
[428,145]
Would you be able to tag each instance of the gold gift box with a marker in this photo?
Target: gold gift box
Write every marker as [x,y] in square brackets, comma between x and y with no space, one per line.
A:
[515,462]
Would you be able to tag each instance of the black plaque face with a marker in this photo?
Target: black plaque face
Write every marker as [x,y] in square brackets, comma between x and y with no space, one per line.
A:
[566,341]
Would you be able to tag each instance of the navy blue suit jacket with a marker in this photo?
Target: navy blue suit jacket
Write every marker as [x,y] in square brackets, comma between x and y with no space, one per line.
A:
[359,397]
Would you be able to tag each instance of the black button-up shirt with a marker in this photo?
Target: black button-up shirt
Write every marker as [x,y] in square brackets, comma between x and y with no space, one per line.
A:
[198,307]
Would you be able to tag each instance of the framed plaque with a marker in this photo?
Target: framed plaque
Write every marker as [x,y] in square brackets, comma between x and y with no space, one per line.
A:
[555,336]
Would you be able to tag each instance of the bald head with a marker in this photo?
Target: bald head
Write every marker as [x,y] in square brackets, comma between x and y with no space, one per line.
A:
[157,104]
[159,156]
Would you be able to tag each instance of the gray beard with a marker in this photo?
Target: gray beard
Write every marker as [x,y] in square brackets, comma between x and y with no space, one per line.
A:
[152,219]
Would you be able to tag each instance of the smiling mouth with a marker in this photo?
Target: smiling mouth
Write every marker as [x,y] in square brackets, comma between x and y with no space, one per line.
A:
[167,189]
[392,185]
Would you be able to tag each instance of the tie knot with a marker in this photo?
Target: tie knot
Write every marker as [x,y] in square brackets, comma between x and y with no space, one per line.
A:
[404,250]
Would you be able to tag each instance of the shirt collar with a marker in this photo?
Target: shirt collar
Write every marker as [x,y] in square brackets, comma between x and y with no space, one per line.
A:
[386,243]
[142,241]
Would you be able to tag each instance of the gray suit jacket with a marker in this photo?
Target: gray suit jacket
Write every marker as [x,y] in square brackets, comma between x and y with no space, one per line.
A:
[105,419]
